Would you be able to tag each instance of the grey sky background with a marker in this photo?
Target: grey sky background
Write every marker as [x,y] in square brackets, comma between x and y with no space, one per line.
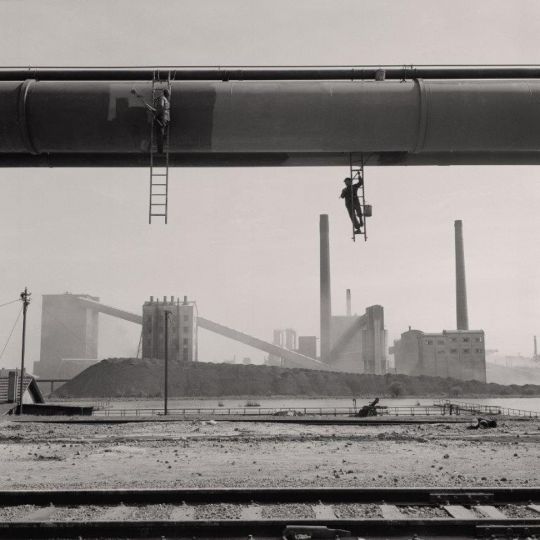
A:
[244,242]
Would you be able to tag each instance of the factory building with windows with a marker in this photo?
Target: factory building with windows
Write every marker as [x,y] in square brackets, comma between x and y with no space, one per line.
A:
[182,329]
[459,354]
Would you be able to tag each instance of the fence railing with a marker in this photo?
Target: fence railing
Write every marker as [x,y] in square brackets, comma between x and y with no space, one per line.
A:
[480,408]
[427,410]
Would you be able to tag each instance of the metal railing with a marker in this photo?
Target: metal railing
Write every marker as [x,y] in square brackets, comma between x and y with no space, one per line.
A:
[479,408]
[427,410]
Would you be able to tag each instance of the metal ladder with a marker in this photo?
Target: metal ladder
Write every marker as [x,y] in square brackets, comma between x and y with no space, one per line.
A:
[159,163]
[356,172]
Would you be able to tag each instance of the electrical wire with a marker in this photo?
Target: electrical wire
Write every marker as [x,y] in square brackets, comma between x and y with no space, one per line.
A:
[12,302]
[11,333]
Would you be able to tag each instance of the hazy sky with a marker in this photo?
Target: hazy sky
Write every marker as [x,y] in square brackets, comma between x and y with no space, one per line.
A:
[244,242]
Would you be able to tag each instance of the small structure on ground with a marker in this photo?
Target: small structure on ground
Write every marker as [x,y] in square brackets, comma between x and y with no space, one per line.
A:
[10,389]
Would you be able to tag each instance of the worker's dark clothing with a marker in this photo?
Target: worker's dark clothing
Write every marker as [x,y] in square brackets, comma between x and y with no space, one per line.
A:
[163,116]
[350,194]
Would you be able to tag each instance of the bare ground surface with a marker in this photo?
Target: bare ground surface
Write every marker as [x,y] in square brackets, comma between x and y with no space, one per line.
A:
[229,454]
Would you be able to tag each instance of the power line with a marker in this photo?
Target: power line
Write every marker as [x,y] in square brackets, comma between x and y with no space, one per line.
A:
[12,302]
[11,333]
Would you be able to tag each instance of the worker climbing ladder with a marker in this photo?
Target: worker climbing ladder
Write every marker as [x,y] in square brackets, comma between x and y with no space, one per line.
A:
[159,161]
[356,174]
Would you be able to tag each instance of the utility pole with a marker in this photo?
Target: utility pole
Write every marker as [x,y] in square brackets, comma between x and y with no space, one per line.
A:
[25,297]
[166,382]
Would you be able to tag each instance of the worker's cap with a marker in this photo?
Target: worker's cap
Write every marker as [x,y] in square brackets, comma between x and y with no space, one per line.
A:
[166,93]
[347,180]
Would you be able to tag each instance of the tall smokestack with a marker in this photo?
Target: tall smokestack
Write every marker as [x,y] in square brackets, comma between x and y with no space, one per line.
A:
[461,287]
[326,304]
[535,349]
[349,311]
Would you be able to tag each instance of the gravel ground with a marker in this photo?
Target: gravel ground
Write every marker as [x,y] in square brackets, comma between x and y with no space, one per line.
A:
[518,511]
[423,512]
[357,511]
[156,511]
[218,511]
[76,513]
[232,511]
[11,513]
[230,454]
[284,511]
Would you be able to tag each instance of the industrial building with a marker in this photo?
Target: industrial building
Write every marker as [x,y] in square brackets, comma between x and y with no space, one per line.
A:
[181,330]
[352,343]
[69,335]
[288,339]
[358,343]
[460,354]
[70,332]
[307,345]
[10,389]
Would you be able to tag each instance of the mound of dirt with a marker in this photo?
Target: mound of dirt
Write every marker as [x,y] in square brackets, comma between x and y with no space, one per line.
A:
[130,377]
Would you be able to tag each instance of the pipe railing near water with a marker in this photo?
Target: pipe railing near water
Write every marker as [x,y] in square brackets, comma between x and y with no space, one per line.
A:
[427,410]
[479,408]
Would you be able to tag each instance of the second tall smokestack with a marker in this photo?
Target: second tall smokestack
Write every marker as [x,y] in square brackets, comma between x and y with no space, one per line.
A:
[326,305]
[461,287]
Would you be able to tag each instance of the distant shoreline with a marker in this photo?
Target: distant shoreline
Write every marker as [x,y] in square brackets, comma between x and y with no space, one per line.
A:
[302,397]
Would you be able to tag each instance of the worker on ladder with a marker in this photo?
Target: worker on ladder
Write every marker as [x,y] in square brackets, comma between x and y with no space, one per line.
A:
[352,203]
[162,114]
[161,110]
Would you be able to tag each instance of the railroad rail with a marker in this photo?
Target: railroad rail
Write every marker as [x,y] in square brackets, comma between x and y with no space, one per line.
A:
[292,513]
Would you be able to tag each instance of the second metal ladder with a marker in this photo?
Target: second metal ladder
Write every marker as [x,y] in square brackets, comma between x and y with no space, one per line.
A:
[356,167]
[159,162]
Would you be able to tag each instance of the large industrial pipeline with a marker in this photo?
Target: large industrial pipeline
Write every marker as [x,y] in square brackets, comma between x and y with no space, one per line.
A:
[274,117]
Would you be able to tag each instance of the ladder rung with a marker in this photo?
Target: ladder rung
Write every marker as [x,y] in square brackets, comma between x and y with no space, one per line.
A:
[159,161]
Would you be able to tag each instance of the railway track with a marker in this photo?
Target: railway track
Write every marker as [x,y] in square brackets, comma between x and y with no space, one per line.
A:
[293,513]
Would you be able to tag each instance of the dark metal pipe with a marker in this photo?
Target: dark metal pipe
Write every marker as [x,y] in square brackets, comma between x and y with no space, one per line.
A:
[269,73]
[277,159]
[101,123]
